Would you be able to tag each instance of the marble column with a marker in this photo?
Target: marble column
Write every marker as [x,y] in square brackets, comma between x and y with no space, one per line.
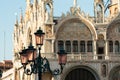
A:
[106,50]
[94,50]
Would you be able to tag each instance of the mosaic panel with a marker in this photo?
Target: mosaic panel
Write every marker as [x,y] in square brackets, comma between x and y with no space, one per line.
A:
[74,30]
[114,32]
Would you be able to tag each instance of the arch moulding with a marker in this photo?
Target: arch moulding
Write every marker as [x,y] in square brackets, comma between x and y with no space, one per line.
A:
[82,20]
[88,68]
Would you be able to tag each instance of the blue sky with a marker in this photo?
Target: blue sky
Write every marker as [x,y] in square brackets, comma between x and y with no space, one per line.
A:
[8,8]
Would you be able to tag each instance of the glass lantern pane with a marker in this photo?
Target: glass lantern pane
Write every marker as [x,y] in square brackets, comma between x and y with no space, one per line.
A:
[30,55]
[24,59]
[35,54]
[59,59]
[39,39]
[62,58]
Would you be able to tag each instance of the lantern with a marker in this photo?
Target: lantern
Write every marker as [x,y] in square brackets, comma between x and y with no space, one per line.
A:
[23,57]
[31,53]
[62,57]
[39,35]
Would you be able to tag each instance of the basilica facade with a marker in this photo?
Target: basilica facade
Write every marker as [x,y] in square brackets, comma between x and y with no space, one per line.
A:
[92,44]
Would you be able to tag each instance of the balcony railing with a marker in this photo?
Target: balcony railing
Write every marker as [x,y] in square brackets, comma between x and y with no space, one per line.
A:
[85,57]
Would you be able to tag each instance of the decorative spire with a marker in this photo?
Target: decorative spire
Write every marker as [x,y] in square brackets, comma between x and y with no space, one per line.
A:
[35,2]
[16,22]
[28,2]
[75,3]
[21,16]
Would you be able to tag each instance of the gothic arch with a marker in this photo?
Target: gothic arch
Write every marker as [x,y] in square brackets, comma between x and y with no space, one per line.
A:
[88,24]
[100,5]
[90,69]
[48,11]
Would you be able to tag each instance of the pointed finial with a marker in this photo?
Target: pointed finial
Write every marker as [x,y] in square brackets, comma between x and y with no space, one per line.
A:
[75,3]
[35,3]
[21,16]
[28,2]
[16,23]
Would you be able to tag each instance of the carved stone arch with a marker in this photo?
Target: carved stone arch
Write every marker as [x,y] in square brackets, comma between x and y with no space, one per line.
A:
[88,24]
[28,30]
[114,73]
[88,68]
[48,11]
[48,5]
[99,8]
[100,5]
[99,11]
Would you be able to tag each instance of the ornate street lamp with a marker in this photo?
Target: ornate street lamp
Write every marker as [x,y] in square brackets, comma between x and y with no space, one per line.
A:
[39,36]
[23,57]
[27,56]
[37,63]
[31,53]
[62,58]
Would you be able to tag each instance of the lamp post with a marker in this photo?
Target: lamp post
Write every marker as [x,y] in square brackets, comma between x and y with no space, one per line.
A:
[1,73]
[62,59]
[37,63]
[39,36]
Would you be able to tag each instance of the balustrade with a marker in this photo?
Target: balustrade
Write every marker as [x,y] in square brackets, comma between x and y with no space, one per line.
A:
[84,57]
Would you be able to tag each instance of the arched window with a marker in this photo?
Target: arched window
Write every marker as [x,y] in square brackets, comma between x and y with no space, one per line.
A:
[110,46]
[60,45]
[82,46]
[116,46]
[89,46]
[75,46]
[68,46]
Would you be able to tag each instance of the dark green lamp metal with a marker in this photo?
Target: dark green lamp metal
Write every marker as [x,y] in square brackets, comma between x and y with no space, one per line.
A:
[38,64]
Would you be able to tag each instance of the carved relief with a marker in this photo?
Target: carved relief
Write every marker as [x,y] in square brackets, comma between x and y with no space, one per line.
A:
[100,37]
[104,69]
[49,31]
